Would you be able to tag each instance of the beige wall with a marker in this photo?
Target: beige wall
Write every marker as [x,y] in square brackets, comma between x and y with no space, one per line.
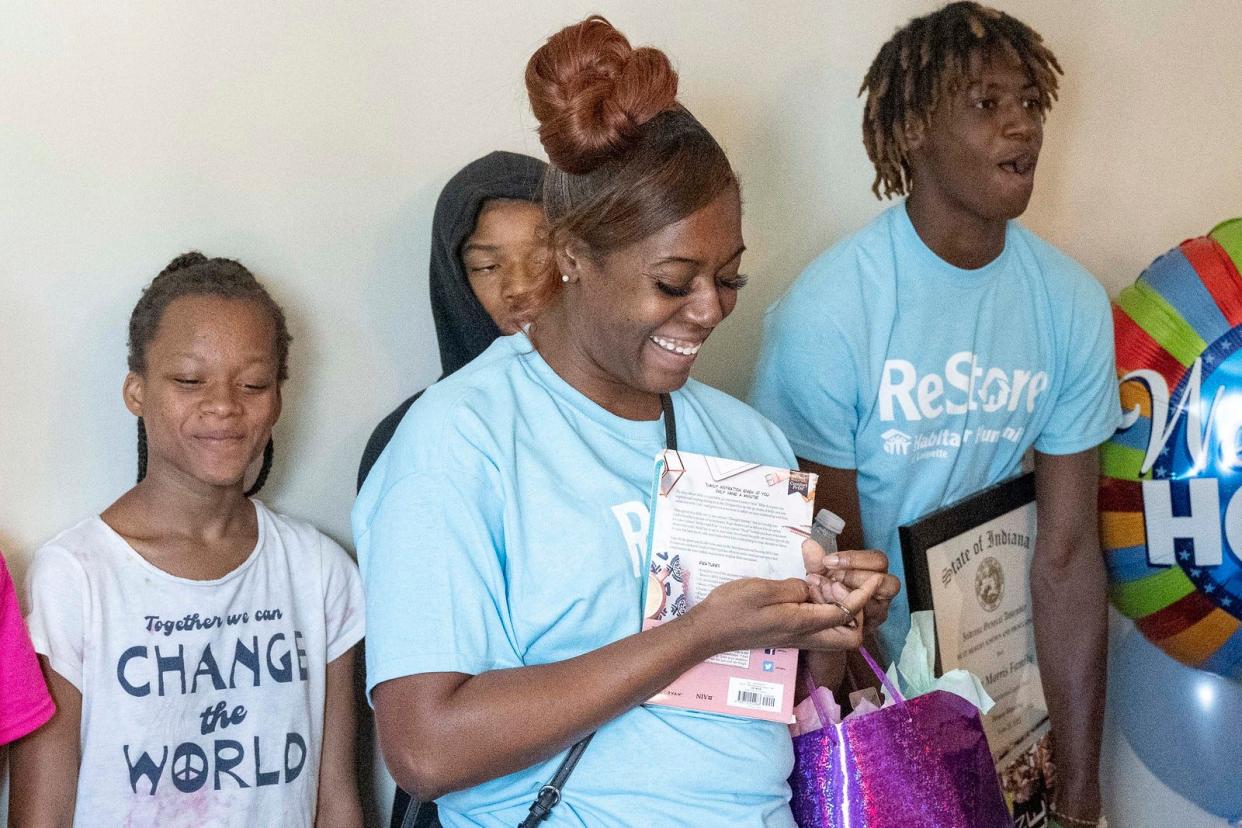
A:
[310,140]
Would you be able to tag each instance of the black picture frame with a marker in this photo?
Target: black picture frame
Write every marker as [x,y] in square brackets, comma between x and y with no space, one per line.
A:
[945,524]
[949,522]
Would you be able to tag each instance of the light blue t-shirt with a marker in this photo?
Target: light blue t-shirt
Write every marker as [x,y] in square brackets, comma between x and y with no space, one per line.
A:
[505,525]
[932,381]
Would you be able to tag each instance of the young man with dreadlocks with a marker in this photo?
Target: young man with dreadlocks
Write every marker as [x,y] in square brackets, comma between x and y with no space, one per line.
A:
[917,361]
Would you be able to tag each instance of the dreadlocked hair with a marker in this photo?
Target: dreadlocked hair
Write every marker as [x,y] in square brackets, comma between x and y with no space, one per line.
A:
[929,60]
[193,274]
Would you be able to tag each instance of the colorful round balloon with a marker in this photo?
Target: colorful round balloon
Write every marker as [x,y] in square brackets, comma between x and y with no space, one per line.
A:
[1171,484]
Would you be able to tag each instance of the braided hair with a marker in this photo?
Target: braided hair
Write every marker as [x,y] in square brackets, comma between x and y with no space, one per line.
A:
[929,60]
[193,274]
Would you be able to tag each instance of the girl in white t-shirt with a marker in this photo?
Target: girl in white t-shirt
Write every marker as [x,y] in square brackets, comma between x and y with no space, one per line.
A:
[199,646]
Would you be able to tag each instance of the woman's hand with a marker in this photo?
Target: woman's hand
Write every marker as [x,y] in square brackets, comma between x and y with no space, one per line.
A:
[836,575]
[755,613]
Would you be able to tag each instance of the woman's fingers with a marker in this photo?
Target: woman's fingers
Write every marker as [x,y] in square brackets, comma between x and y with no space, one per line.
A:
[856,600]
[840,606]
[819,588]
[761,592]
[869,560]
[854,578]
[812,557]
[812,612]
[837,591]
[876,611]
[844,616]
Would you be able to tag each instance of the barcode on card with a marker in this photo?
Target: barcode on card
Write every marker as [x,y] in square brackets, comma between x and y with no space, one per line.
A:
[754,695]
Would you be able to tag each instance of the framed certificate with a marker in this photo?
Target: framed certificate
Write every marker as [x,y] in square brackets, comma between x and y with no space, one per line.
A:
[969,563]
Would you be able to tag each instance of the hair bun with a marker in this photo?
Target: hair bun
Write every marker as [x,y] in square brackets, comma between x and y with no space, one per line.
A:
[592,91]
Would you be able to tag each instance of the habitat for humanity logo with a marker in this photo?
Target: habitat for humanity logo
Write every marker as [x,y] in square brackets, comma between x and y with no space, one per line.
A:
[896,441]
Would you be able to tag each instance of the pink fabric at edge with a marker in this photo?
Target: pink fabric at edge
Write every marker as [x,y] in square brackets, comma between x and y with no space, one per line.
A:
[25,704]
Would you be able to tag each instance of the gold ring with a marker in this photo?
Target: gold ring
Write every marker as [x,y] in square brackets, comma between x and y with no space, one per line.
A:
[848,614]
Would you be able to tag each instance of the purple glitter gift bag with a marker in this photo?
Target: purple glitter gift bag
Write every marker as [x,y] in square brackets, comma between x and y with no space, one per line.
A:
[920,763]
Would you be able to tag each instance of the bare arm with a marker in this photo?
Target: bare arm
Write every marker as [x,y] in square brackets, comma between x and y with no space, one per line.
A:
[45,763]
[338,803]
[1069,597]
[441,732]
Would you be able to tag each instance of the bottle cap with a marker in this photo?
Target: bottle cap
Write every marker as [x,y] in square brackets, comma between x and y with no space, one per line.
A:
[829,521]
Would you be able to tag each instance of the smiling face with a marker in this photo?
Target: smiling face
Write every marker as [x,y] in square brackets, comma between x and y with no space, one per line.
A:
[505,246]
[638,316]
[209,394]
[976,158]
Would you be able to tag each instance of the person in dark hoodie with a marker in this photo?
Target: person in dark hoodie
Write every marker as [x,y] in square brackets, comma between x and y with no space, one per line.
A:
[487,222]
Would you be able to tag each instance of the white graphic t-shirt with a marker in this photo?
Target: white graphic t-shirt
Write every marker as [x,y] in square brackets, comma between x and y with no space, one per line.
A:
[933,381]
[202,701]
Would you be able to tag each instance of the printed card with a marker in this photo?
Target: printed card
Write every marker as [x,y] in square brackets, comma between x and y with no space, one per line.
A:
[716,520]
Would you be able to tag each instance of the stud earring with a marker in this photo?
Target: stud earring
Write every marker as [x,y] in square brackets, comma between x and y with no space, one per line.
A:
[564,278]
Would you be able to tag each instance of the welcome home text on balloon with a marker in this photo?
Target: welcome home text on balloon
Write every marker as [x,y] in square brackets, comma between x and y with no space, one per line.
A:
[1211,442]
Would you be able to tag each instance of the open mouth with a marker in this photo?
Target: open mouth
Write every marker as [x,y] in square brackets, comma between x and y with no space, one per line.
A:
[1021,165]
[677,346]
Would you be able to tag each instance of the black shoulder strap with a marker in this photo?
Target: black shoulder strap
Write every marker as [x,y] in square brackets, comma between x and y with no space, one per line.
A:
[670,422]
[550,794]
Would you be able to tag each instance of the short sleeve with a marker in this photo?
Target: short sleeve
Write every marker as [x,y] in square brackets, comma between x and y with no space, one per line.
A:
[1087,409]
[344,616]
[58,592]
[25,703]
[807,385]
[433,573]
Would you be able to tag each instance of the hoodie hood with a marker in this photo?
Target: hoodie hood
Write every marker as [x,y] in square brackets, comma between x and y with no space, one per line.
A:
[463,328]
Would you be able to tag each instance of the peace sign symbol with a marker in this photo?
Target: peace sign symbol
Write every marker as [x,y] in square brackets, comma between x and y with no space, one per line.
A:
[189,768]
[192,764]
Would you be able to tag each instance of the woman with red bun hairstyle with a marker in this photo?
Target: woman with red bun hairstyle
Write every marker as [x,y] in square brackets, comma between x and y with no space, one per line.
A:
[502,535]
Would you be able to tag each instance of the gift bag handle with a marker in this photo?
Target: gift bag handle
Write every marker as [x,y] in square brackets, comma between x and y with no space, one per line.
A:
[889,688]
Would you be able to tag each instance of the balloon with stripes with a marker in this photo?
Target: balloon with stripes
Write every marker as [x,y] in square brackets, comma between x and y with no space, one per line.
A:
[1170,523]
